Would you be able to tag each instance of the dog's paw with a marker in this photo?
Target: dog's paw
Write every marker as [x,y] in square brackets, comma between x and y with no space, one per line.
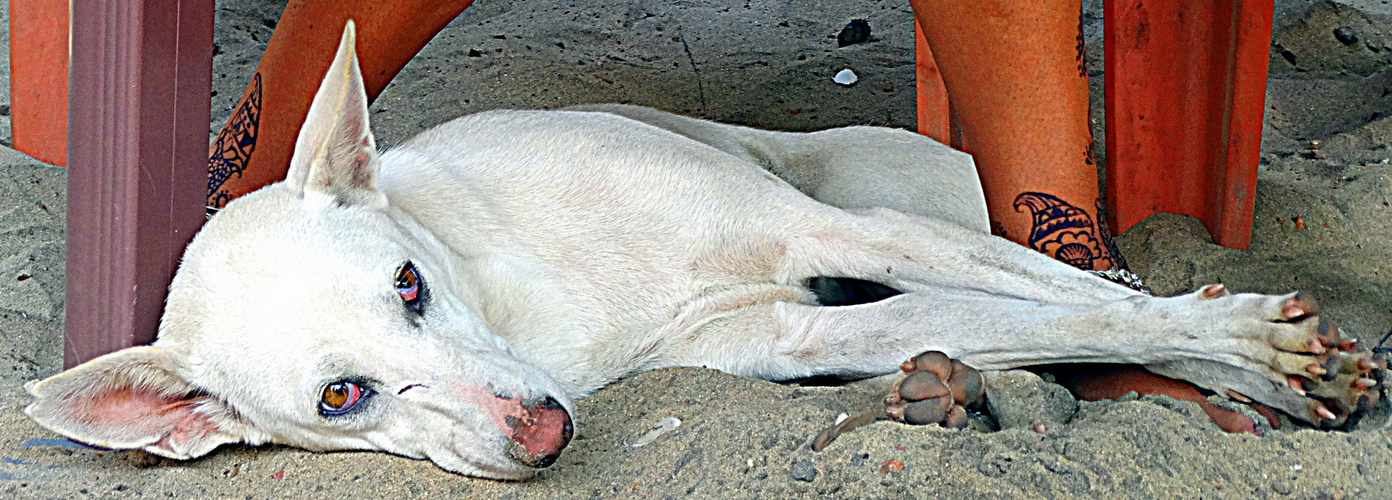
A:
[1292,359]
[934,390]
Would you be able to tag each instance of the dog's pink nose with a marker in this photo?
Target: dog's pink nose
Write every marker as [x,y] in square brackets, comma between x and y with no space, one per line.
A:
[539,437]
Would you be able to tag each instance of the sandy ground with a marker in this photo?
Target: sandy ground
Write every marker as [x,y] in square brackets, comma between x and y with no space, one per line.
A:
[769,64]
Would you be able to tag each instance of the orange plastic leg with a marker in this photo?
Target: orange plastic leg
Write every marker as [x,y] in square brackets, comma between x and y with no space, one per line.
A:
[935,117]
[39,78]
[1186,87]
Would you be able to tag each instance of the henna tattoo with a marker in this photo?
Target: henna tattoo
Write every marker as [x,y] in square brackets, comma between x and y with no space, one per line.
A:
[1082,49]
[232,149]
[1063,231]
[997,229]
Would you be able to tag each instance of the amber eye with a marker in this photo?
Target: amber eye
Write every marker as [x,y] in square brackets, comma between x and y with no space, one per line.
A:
[339,397]
[408,283]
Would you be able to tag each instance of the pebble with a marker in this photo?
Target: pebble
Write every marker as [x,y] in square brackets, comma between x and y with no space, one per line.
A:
[803,470]
[859,459]
[1345,35]
[891,465]
[857,31]
[1020,399]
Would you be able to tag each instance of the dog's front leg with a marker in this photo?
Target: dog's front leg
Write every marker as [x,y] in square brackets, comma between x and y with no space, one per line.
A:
[1269,348]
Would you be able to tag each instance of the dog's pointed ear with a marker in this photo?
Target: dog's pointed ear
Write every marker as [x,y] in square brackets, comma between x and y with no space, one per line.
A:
[335,153]
[135,399]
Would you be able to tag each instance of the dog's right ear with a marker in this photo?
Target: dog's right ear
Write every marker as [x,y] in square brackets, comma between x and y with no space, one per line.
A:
[335,153]
[136,399]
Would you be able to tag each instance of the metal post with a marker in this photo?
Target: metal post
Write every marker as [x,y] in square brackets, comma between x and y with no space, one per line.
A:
[141,73]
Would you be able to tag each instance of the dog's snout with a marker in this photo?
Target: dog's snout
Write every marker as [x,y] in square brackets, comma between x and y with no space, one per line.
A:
[538,438]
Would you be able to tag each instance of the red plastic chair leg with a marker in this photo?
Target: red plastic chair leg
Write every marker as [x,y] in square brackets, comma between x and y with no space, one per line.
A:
[935,118]
[39,78]
[1186,87]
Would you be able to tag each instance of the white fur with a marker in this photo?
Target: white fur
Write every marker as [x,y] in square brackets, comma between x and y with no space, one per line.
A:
[567,249]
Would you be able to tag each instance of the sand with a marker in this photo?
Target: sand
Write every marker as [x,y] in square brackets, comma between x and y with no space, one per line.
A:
[770,64]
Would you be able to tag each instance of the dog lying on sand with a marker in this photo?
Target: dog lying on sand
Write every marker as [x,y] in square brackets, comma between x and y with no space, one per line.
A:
[449,298]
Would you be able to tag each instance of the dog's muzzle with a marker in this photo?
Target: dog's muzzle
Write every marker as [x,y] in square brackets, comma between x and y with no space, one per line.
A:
[538,438]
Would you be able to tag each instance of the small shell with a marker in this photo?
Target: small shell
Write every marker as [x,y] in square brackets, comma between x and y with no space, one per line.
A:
[846,77]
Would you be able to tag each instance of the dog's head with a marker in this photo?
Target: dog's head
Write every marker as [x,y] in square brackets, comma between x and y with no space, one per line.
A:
[311,313]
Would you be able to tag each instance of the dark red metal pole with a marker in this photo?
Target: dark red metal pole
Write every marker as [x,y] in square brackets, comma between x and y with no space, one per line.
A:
[139,80]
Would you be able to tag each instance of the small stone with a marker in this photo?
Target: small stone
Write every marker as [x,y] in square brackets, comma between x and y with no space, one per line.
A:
[1345,35]
[804,471]
[857,31]
[891,465]
[1018,399]
[1282,486]
[859,460]
[475,53]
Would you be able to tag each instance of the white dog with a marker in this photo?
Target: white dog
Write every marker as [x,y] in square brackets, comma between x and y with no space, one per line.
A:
[448,299]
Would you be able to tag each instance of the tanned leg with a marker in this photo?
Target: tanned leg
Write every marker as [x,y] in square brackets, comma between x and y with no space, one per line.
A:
[1015,76]
[1014,73]
[254,148]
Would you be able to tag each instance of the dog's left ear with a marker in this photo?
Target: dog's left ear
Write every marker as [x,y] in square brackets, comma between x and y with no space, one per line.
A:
[137,398]
[335,153]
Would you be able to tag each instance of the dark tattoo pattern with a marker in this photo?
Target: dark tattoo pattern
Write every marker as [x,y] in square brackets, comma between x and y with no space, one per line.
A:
[1063,231]
[998,229]
[232,149]
[1081,47]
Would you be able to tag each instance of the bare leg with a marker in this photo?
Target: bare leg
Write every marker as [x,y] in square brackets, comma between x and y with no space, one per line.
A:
[254,148]
[1014,73]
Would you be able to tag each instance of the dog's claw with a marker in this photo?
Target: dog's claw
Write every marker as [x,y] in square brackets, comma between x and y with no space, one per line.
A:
[1213,291]
[1239,396]
[1298,306]
[1315,369]
[1324,412]
[1294,383]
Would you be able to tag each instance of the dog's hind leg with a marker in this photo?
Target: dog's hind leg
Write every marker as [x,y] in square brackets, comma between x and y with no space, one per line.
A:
[848,168]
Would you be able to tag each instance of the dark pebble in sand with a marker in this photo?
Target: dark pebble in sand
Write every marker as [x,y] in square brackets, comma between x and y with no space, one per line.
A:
[859,460]
[804,471]
[858,31]
[1282,486]
[1345,35]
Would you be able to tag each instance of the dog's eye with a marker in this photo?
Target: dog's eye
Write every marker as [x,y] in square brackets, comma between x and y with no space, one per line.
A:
[408,283]
[339,397]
